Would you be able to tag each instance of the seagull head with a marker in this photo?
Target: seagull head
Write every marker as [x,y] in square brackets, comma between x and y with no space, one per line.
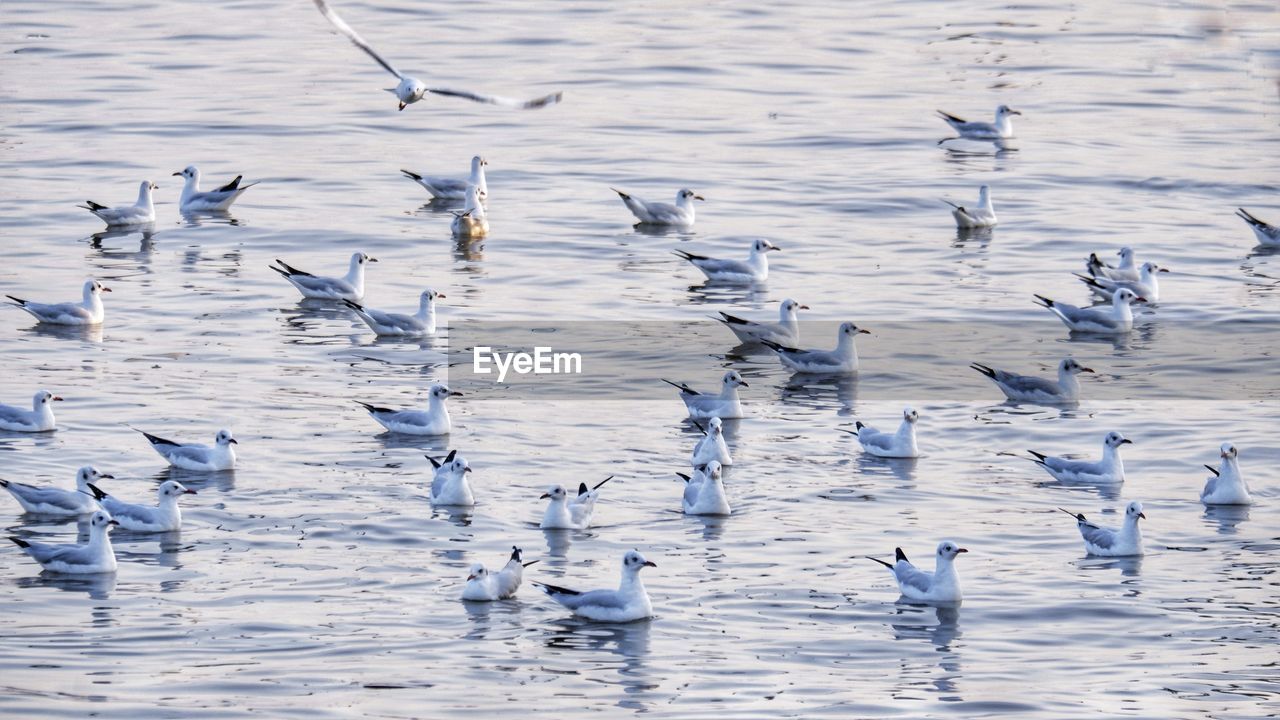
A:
[88,474]
[555,493]
[1125,296]
[190,172]
[713,470]
[948,550]
[685,195]
[732,379]
[1125,253]
[430,295]
[101,520]
[459,466]
[1070,366]
[1133,511]
[760,245]
[790,306]
[93,287]
[910,415]
[1115,440]
[1151,268]
[634,561]
[848,328]
[715,427]
[1228,451]
[409,91]
[1004,110]
[476,572]
[44,397]
[173,488]
[440,391]
[225,438]
[358,259]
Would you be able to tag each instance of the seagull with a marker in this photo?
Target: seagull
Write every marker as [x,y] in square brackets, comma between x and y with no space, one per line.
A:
[1093,320]
[1105,542]
[387,324]
[1026,388]
[193,200]
[442,188]
[657,213]
[981,216]
[628,603]
[704,492]
[900,444]
[95,556]
[842,360]
[941,585]
[1267,233]
[1126,271]
[725,405]
[193,456]
[350,287]
[1226,487]
[1001,129]
[484,586]
[1107,470]
[449,484]
[87,312]
[140,213]
[56,501]
[470,222]
[411,90]
[711,446]
[563,513]
[754,269]
[1146,286]
[432,421]
[38,419]
[784,332]
[165,517]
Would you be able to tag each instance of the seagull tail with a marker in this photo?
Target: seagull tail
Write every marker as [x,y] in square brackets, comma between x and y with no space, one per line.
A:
[1039,457]
[983,369]
[1248,217]
[621,194]
[19,301]
[19,542]
[683,255]
[882,562]
[411,175]
[1044,301]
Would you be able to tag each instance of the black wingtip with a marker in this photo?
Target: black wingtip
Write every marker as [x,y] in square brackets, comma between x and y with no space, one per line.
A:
[888,565]
[435,464]
[859,424]
[983,369]
[19,542]
[1046,301]
[412,175]
[555,589]
[686,477]
[97,492]
[621,194]
[452,454]
[900,556]
[1210,468]
[20,301]
[602,482]
[353,305]
[515,553]
[1078,516]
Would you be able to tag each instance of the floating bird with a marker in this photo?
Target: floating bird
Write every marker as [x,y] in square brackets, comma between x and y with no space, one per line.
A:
[165,517]
[388,324]
[1227,486]
[411,90]
[95,556]
[842,360]
[1266,233]
[471,221]
[1105,542]
[900,444]
[449,485]
[784,332]
[1126,271]
[38,419]
[484,586]
[563,513]
[1109,469]
[1093,320]
[658,213]
[628,603]
[89,311]
[704,491]
[193,200]
[941,585]
[140,213]
[350,287]
[432,421]
[443,188]
[1001,129]
[1026,388]
[194,456]
[981,216]
[752,270]
[56,501]
[725,405]
[711,446]
[1146,286]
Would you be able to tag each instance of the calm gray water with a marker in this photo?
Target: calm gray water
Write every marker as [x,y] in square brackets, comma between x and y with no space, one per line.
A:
[317,581]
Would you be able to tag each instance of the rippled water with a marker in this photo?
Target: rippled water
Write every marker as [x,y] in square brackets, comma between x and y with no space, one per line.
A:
[316,579]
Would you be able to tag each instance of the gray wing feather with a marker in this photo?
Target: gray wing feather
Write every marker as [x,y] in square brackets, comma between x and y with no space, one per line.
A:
[47,496]
[1094,535]
[597,598]
[912,576]
[120,509]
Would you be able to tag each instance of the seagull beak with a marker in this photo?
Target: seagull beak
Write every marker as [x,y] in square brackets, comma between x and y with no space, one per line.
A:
[699,197]
[467,469]
[803,307]
[189,491]
[106,289]
[469,577]
[1142,515]
[402,106]
[177,173]
[373,259]
[108,477]
[441,295]
[1014,112]
[1085,369]
[544,496]
[1126,441]
[454,393]
[234,441]
[649,563]
[960,550]
[1140,299]
[1163,270]
[743,383]
[113,522]
[57,397]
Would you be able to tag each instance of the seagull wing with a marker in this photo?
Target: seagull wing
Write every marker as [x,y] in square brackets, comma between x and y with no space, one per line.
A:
[354,36]
[543,101]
